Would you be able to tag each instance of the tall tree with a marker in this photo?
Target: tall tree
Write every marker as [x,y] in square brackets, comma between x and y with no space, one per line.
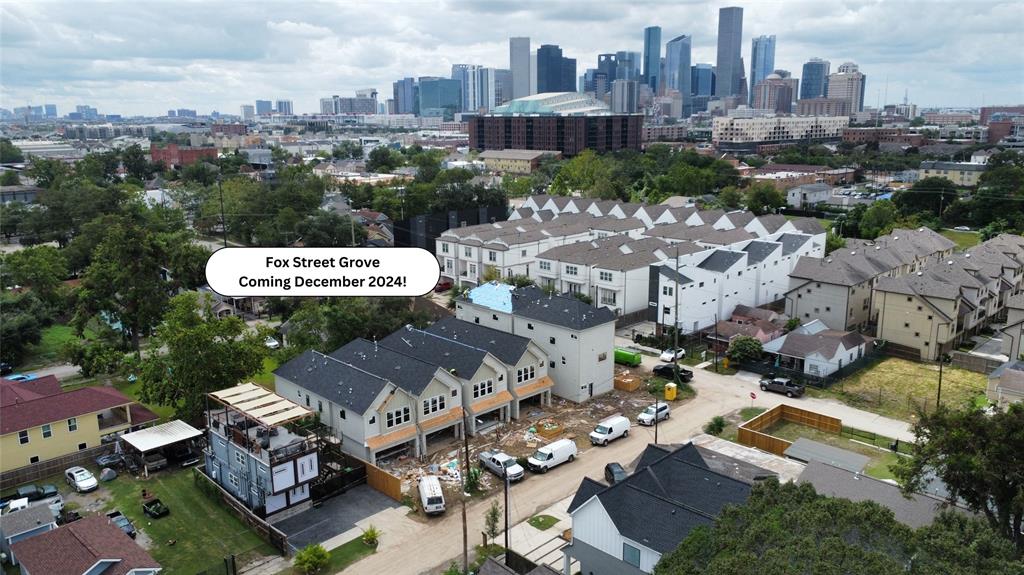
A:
[42,268]
[135,163]
[9,178]
[878,219]
[203,353]
[22,318]
[330,230]
[9,153]
[932,195]
[980,458]
[762,198]
[47,171]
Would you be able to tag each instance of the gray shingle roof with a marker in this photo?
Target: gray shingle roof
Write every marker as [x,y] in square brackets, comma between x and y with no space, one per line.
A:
[808,226]
[18,522]
[721,260]
[772,222]
[566,311]
[670,272]
[403,370]
[758,251]
[333,380]
[792,242]
[506,347]
[458,358]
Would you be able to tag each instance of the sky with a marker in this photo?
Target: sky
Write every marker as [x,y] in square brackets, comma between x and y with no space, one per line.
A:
[145,57]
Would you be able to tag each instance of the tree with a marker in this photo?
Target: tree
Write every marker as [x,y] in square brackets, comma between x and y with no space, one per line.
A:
[22,318]
[12,216]
[185,260]
[932,195]
[383,159]
[715,426]
[878,219]
[762,198]
[9,178]
[833,241]
[744,348]
[792,323]
[581,174]
[123,283]
[312,558]
[790,529]
[47,171]
[135,164]
[201,353]
[730,198]
[491,274]
[200,172]
[42,268]
[492,518]
[9,153]
[980,458]
[330,230]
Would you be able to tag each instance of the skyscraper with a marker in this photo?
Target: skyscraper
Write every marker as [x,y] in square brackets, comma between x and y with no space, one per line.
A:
[468,76]
[702,79]
[773,93]
[762,58]
[247,112]
[554,72]
[814,79]
[677,70]
[730,38]
[51,110]
[264,107]
[569,74]
[439,97]
[404,93]
[519,63]
[606,65]
[285,107]
[848,84]
[627,66]
[625,96]
[652,57]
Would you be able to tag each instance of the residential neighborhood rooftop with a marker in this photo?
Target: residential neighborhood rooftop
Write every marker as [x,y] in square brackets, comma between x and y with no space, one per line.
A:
[78,546]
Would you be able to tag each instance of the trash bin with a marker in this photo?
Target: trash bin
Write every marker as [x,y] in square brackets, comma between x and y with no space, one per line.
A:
[670,391]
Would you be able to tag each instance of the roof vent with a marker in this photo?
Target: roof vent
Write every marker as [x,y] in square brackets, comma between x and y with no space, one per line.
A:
[919,274]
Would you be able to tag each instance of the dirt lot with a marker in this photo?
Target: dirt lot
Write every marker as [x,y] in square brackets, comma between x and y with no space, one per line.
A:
[535,428]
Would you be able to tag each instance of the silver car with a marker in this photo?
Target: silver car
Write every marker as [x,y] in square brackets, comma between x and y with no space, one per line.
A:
[653,413]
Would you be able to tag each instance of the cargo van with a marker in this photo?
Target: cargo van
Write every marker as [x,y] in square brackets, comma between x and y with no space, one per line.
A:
[431,497]
[626,357]
[609,430]
[551,455]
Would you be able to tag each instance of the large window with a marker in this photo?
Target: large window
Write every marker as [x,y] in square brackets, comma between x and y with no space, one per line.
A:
[605,276]
[23,437]
[73,424]
[47,431]
[546,266]
[483,388]
[444,248]
[433,404]
[492,256]
[571,270]
[468,252]
[630,554]
[397,417]
[525,374]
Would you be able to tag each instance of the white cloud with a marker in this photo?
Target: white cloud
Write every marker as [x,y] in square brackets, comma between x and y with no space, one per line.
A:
[146,57]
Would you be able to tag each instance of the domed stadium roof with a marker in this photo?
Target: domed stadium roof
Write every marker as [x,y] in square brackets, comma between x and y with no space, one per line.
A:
[554,104]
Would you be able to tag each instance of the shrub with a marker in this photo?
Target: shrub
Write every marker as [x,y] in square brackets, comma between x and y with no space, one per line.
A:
[715,426]
[371,535]
[744,348]
[491,519]
[311,559]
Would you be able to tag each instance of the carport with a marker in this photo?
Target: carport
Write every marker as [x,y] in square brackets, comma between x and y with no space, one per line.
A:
[153,439]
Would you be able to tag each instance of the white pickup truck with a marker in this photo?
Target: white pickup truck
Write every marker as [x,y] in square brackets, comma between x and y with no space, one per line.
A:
[501,464]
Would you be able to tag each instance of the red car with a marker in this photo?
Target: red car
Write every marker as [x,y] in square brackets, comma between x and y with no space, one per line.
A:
[443,286]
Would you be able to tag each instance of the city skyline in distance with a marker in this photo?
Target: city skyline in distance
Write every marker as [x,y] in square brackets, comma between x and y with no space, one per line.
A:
[142,59]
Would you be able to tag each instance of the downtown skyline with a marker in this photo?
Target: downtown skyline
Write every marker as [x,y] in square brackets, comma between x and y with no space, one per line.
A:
[144,59]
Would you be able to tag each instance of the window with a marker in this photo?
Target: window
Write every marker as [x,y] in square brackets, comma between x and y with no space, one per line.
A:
[483,388]
[917,334]
[529,326]
[910,298]
[319,406]
[433,404]
[666,310]
[919,308]
[905,324]
[571,270]
[552,340]
[468,252]
[47,431]
[666,290]
[817,310]
[525,374]
[602,356]
[397,417]
[605,276]
[33,459]
[522,253]
[73,424]
[546,266]
[828,308]
[551,364]
[701,284]
[239,458]
[444,248]
[81,446]
[817,285]
[23,437]
[341,414]
[494,316]
[373,419]
[630,554]
[307,400]
[926,344]
[492,256]
[455,393]
[563,360]
[472,269]
[233,480]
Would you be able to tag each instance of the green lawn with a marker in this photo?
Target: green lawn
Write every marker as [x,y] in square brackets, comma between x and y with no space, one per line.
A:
[134,389]
[656,386]
[266,377]
[963,240]
[877,467]
[748,413]
[341,557]
[203,531]
[48,350]
[542,522]
[898,388]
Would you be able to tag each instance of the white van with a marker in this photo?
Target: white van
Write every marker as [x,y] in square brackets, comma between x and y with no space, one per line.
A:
[551,455]
[431,497]
[609,430]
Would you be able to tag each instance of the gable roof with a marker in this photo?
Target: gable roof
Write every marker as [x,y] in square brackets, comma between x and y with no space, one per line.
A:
[12,392]
[459,358]
[77,546]
[566,311]
[721,260]
[808,226]
[333,379]
[405,371]
[772,222]
[22,415]
[758,251]
[508,348]
[18,522]
[825,343]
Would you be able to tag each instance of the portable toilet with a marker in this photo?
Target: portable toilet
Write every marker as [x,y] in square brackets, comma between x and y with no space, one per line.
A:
[670,392]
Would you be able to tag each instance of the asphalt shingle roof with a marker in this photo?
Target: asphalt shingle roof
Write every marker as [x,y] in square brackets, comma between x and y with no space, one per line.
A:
[721,260]
[458,358]
[506,347]
[18,522]
[566,311]
[75,547]
[332,379]
[405,371]
[758,251]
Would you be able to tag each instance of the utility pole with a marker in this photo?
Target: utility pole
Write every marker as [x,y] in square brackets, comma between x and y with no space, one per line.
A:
[223,221]
[716,342]
[465,475]
[506,509]
[352,227]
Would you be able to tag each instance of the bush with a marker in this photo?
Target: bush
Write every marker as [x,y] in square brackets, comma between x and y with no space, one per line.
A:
[744,348]
[371,535]
[715,426]
[311,559]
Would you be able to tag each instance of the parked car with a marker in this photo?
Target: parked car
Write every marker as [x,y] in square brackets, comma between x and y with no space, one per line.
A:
[614,473]
[667,371]
[654,413]
[80,479]
[431,496]
[122,523]
[6,368]
[627,357]
[962,229]
[112,460]
[552,455]
[22,377]
[271,343]
[32,492]
[782,385]
[672,354]
[443,286]
[52,498]
[501,464]
[610,429]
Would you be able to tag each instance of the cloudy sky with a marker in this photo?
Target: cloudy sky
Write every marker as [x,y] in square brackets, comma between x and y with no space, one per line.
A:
[144,57]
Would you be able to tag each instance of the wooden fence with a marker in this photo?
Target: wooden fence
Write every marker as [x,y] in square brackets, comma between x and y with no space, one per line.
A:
[751,432]
[384,482]
[51,467]
[974,363]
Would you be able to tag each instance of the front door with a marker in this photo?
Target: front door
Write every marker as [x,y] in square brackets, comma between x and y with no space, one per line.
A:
[590,389]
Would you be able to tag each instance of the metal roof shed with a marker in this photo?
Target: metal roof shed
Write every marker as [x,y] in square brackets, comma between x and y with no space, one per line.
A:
[161,435]
[805,450]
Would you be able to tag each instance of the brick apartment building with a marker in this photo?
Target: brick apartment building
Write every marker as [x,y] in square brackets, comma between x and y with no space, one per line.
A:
[229,129]
[882,135]
[177,156]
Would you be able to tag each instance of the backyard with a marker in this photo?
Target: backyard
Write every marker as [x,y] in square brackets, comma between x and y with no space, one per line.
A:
[48,350]
[899,388]
[881,459]
[963,240]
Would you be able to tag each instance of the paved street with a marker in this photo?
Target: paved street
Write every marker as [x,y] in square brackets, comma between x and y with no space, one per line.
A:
[440,540]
